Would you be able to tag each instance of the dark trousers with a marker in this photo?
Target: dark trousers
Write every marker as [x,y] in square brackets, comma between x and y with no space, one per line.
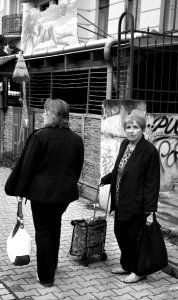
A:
[47,223]
[126,235]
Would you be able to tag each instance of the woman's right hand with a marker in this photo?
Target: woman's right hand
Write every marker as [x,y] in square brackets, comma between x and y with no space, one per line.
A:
[100,183]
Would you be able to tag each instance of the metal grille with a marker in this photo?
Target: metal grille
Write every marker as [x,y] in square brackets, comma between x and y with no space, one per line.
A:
[147,69]
[97,92]
[38,90]
[72,87]
[155,72]
[84,90]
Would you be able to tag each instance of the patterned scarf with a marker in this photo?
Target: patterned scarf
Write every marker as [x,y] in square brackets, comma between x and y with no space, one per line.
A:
[120,170]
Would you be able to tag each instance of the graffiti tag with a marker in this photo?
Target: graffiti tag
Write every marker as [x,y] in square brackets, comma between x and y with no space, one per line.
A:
[169,125]
[167,152]
[107,161]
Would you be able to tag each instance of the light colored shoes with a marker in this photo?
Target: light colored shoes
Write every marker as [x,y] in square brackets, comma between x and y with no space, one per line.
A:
[132,278]
[119,270]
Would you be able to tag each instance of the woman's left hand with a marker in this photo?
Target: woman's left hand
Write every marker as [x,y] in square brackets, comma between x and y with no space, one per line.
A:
[19,199]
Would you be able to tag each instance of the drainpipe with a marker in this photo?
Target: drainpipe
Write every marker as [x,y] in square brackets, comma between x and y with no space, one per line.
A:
[107,57]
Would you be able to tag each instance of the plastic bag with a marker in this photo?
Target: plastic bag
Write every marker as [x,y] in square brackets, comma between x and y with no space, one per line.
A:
[19,246]
[152,252]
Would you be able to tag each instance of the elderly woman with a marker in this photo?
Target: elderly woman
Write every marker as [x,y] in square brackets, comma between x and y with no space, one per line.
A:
[47,174]
[135,184]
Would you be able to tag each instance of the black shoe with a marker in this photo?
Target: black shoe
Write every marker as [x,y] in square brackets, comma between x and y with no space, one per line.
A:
[45,284]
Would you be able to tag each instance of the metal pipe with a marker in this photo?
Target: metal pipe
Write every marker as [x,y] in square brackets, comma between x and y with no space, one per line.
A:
[70,49]
[107,49]
[107,56]
[130,81]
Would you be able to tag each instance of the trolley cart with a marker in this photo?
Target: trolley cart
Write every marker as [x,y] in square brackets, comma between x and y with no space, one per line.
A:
[88,238]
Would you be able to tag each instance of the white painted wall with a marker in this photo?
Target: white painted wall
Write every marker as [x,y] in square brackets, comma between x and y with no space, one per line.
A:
[88,10]
[162,131]
[3,6]
[150,14]
[117,7]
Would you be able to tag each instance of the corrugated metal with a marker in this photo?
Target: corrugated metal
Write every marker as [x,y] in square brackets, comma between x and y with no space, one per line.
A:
[84,89]
[89,128]
[92,144]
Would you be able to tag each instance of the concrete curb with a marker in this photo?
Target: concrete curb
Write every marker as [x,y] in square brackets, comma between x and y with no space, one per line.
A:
[171,269]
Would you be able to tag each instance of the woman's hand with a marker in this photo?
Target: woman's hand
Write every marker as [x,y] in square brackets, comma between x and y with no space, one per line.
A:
[19,199]
[100,183]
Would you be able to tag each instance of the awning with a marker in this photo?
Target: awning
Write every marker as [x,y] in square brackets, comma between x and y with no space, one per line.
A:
[5,59]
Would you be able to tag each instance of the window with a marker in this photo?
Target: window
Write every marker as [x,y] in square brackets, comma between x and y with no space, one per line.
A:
[133,7]
[1,5]
[103,19]
[170,22]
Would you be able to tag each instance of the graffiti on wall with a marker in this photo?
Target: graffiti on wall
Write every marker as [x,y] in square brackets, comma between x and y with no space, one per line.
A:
[107,159]
[165,137]
[162,131]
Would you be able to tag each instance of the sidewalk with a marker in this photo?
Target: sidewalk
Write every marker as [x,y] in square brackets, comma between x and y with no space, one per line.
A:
[73,281]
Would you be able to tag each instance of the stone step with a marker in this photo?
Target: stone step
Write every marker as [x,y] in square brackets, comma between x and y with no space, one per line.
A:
[169,227]
[168,214]
[169,198]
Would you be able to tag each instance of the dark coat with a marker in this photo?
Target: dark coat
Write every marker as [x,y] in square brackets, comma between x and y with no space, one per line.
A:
[49,168]
[140,181]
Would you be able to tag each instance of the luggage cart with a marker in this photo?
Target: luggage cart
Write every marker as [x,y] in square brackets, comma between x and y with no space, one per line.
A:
[89,235]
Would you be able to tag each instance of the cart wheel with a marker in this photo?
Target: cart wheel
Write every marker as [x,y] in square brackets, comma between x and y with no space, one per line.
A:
[104,256]
[85,260]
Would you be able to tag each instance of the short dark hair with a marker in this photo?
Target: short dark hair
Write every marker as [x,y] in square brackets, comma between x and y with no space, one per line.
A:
[138,116]
[59,112]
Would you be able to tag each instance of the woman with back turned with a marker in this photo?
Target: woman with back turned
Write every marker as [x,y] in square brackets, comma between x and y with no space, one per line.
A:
[135,184]
[47,173]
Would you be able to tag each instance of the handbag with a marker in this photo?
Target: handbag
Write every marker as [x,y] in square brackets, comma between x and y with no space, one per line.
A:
[19,241]
[151,249]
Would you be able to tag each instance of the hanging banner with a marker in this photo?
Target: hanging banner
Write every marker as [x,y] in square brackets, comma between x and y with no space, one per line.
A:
[50,30]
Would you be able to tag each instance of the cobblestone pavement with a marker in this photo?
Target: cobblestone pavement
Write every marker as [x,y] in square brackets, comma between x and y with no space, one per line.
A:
[73,281]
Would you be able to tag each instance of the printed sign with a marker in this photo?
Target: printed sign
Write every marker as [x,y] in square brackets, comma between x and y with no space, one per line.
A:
[49,30]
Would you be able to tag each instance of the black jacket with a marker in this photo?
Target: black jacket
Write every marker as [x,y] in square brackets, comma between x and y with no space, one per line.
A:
[140,182]
[49,168]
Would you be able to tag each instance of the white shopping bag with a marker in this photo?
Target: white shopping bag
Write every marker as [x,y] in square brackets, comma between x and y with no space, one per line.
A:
[19,242]
[19,247]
